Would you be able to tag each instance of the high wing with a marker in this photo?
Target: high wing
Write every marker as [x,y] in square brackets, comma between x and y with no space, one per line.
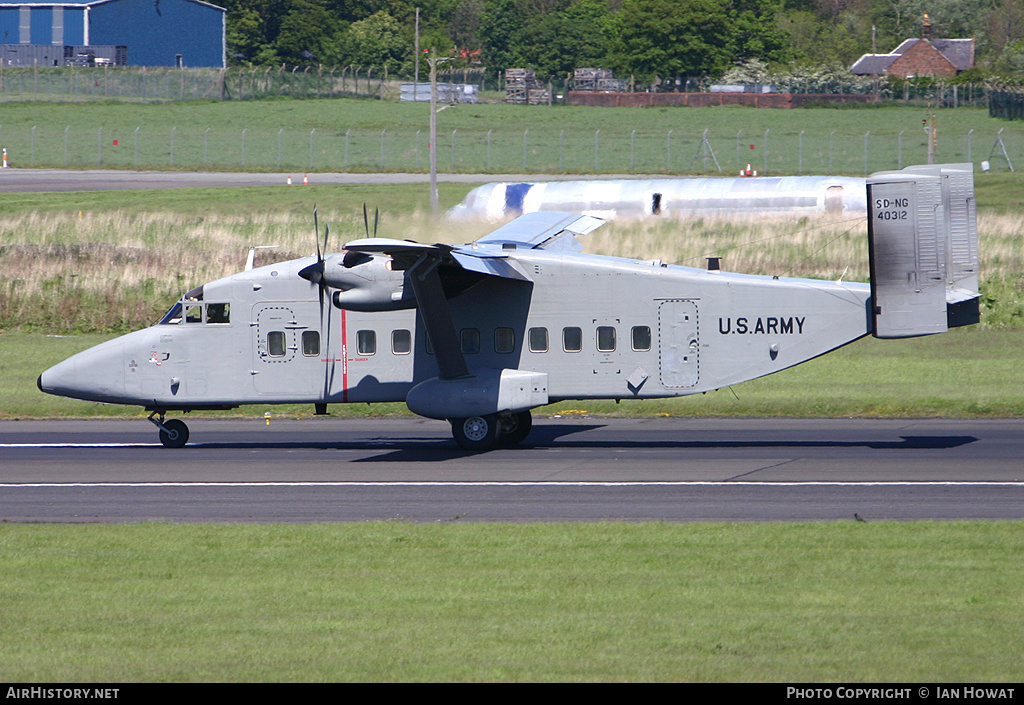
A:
[543,230]
[436,272]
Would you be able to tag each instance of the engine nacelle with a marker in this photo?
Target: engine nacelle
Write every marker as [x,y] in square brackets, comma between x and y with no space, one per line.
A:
[367,283]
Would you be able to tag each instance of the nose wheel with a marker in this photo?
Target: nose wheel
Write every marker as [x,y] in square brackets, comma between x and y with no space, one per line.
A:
[173,433]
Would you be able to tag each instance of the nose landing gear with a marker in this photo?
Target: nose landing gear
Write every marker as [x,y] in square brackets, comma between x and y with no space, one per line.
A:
[173,433]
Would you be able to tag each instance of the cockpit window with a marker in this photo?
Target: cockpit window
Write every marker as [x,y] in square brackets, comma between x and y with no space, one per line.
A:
[172,317]
[218,313]
[193,296]
[193,314]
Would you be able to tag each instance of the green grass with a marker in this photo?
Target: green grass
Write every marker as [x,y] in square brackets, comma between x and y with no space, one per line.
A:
[343,134]
[966,372]
[843,601]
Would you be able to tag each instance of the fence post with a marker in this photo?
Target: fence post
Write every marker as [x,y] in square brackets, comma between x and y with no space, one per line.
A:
[766,152]
[866,152]
[800,154]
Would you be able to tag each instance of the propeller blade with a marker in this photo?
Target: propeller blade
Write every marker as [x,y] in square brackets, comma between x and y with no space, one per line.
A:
[366,221]
[316,235]
[376,217]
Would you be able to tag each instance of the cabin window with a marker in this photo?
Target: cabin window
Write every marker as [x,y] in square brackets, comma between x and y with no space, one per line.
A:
[366,342]
[401,342]
[538,340]
[275,343]
[310,343]
[641,338]
[504,340]
[606,339]
[218,313]
[194,314]
[572,339]
[470,341]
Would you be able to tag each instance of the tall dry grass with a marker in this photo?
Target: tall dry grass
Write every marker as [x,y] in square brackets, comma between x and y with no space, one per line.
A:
[93,272]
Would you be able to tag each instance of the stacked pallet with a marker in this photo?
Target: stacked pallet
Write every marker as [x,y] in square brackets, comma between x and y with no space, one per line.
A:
[521,86]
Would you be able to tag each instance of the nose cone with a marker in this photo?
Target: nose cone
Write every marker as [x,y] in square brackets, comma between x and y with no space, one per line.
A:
[97,374]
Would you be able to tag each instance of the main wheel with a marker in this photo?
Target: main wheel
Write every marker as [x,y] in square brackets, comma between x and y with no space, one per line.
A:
[476,432]
[514,428]
[174,434]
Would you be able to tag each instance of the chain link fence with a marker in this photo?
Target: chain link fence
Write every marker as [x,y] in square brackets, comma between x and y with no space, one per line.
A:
[70,84]
[541,149]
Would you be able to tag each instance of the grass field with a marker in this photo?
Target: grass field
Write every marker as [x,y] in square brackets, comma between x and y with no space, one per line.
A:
[601,602]
[596,602]
[114,261]
[361,135]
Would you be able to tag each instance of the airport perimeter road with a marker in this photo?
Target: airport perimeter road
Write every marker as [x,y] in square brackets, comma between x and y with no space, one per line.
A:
[336,469]
[29,180]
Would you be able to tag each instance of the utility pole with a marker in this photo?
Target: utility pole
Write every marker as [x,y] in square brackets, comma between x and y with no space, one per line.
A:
[416,52]
[433,61]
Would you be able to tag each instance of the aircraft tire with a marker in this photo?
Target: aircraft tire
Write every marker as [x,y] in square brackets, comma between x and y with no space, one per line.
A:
[174,434]
[515,428]
[476,432]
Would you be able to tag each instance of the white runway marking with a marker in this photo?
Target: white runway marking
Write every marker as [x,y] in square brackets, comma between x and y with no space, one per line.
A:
[515,483]
[80,445]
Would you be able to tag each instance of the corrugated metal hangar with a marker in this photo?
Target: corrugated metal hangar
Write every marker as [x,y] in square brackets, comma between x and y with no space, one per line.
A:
[155,32]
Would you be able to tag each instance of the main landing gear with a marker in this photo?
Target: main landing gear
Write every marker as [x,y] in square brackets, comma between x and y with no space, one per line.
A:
[173,433]
[479,433]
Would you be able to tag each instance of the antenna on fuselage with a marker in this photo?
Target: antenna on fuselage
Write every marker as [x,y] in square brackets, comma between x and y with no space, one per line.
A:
[250,260]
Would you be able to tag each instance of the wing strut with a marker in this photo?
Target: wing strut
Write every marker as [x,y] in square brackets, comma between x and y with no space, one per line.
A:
[437,317]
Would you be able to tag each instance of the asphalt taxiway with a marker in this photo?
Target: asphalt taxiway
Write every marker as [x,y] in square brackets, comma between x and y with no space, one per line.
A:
[569,469]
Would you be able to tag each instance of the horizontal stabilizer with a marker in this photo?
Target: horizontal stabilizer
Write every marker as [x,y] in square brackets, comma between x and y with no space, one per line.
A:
[923,243]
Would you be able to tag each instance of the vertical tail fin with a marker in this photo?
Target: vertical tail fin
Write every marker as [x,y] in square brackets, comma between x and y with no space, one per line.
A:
[923,244]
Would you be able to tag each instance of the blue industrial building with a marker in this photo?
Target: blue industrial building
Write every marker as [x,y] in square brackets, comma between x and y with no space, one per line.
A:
[156,32]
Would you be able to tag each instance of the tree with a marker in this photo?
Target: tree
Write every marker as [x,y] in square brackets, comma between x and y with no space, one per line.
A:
[575,36]
[672,37]
[500,29]
[379,41]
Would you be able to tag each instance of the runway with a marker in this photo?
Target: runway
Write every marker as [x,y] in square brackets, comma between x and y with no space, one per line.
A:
[569,469]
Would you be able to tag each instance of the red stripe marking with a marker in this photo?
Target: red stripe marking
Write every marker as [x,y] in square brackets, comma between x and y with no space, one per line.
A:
[344,357]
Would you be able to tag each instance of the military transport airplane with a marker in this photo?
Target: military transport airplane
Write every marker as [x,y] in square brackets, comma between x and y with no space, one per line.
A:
[480,334]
